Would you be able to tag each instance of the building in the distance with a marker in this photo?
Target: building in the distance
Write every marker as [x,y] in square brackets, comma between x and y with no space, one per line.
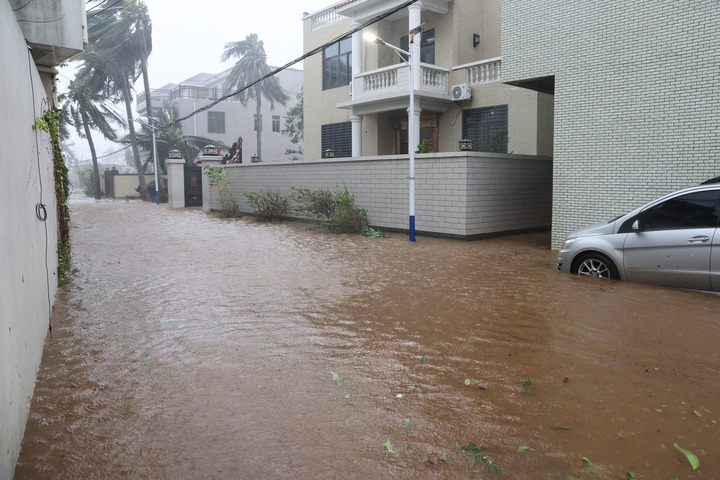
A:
[229,119]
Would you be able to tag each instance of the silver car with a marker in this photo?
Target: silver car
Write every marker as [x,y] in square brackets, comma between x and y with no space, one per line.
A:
[673,241]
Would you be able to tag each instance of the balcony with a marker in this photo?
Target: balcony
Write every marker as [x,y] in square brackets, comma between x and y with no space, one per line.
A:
[185,90]
[388,88]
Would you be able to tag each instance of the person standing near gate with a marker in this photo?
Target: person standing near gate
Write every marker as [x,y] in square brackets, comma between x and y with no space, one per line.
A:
[239,150]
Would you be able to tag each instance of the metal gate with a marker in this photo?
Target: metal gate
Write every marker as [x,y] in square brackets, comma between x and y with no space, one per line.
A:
[193,186]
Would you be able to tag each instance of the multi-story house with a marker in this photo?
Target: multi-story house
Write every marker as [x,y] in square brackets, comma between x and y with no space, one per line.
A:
[357,92]
[636,92]
[229,119]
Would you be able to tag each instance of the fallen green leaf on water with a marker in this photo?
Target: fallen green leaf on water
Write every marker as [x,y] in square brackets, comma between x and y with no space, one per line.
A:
[336,378]
[570,477]
[658,410]
[523,448]
[692,458]
[388,446]
[630,476]
[467,381]
[587,462]
[406,422]
[347,395]
[697,413]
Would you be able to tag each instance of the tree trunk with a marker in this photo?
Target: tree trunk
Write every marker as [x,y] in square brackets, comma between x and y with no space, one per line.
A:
[144,193]
[93,154]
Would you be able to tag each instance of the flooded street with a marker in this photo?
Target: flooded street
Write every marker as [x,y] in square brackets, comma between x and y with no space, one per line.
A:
[187,346]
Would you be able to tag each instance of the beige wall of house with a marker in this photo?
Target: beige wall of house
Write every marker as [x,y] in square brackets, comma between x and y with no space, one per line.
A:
[530,114]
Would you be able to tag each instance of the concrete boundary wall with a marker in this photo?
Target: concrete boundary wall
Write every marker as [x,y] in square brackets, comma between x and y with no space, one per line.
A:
[461,194]
[28,245]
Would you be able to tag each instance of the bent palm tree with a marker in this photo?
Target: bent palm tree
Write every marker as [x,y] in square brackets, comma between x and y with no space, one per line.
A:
[120,42]
[250,67]
[85,111]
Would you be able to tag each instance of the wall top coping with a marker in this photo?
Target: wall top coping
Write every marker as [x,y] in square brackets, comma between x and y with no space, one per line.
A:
[405,158]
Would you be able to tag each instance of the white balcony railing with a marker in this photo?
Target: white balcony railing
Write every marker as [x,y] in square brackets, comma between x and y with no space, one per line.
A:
[324,18]
[395,80]
[484,71]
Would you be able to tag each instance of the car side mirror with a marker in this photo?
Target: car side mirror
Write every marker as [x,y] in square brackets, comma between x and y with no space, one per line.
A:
[636,225]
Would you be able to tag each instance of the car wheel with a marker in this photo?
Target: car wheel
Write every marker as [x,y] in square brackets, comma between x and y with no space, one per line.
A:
[596,265]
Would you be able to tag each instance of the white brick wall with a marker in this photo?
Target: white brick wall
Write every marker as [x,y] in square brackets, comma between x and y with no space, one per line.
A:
[459,194]
[637,97]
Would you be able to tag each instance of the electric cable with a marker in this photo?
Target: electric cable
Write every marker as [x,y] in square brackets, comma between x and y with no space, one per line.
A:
[40,210]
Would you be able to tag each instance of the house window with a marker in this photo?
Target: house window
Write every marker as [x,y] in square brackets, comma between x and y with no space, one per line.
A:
[337,64]
[487,127]
[276,123]
[216,122]
[427,46]
[337,137]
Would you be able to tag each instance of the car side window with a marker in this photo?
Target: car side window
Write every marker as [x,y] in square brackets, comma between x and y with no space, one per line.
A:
[694,210]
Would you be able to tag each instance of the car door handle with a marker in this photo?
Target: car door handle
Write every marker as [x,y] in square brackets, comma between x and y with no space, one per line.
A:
[698,239]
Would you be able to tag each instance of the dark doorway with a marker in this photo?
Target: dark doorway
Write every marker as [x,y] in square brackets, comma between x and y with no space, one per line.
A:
[193,186]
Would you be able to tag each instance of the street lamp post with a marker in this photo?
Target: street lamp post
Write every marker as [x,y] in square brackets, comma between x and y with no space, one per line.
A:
[411,121]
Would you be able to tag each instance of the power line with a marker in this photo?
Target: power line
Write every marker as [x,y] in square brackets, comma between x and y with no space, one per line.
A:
[277,70]
[297,60]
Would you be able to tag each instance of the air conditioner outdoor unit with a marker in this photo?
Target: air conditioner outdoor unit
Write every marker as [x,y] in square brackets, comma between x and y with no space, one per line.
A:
[461,92]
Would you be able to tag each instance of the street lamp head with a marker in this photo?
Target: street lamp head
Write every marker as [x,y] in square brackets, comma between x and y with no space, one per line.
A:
[370,37]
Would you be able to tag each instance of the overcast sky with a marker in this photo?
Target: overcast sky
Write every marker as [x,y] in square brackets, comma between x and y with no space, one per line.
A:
[189,38]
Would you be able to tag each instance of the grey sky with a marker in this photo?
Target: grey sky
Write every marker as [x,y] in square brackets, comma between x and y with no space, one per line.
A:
[189,37]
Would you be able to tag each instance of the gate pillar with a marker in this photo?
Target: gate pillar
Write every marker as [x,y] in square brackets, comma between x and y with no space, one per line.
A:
[176,179]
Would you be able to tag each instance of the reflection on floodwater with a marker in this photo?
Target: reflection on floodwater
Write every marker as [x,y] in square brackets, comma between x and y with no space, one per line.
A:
[188,346]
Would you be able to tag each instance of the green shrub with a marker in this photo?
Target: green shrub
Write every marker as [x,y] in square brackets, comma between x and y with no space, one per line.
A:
[313,203]
[267,205]
[217,177]
[346,217]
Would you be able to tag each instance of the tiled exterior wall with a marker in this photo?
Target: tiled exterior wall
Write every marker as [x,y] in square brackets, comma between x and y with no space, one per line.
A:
[462,194]
[637,97]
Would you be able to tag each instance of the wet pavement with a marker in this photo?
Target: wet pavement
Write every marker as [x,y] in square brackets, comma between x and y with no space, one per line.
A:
[188,346]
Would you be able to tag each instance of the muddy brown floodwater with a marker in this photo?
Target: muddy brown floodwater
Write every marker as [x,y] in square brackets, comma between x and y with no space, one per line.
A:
[192,347]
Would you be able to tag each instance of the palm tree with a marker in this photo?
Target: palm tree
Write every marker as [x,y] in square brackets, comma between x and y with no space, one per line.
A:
[84,110]
[120,42]
[250,67]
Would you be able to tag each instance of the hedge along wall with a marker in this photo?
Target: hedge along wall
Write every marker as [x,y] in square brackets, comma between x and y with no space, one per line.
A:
[460,194]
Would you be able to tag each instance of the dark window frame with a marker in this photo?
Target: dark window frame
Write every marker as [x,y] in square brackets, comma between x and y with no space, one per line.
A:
[338,138]
[427,46]
[487,127]
[337,64]
[216,122]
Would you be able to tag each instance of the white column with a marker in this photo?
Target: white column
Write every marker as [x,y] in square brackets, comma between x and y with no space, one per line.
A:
[356,122]
[413,22]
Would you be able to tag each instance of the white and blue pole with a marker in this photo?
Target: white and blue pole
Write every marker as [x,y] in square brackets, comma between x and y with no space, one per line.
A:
[411,150]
